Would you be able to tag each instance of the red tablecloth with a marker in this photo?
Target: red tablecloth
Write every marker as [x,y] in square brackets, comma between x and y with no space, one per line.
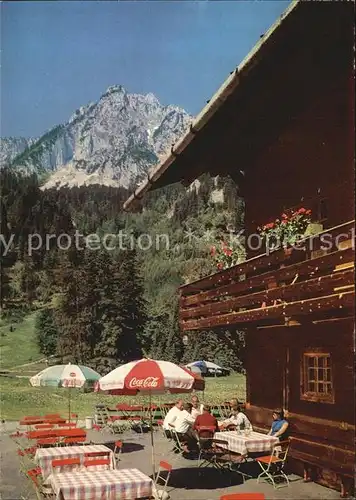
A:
[125,484]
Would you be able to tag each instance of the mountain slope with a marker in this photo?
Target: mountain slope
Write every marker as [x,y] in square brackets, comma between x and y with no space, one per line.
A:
[111,142]
[10,147]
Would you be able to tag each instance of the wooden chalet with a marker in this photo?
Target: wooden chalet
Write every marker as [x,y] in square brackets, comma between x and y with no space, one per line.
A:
[282,125]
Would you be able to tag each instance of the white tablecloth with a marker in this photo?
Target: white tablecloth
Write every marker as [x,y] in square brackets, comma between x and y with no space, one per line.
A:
[44,456]
[125,484]
[239,443]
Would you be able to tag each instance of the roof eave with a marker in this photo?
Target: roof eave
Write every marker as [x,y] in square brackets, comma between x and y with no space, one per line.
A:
[226,89]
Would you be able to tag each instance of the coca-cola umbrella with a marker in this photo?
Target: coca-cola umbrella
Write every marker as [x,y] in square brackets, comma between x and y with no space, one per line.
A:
[150,376]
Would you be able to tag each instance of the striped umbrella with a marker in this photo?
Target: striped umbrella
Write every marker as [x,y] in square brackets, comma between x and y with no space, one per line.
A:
[149,376]
[70,376]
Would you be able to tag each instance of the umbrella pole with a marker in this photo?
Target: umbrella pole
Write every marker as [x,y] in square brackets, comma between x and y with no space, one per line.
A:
[152,441]
[69,395]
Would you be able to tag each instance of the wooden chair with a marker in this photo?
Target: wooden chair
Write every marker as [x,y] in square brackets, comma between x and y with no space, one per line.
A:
[67,425]
[205,442]
[211,454]
[69,463]
[97,461]
[50,441]
[272,465]
[72,441]
[42,491]
[179,444]
[43,426]
[118,450]
[164,467]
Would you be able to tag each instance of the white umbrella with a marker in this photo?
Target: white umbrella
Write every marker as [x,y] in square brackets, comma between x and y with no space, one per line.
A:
[70,376]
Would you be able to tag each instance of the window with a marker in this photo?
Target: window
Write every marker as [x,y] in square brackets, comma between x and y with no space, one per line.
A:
[316,375]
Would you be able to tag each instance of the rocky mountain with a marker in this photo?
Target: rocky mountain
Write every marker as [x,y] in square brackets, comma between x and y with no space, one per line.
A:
[111,142]
[10,147]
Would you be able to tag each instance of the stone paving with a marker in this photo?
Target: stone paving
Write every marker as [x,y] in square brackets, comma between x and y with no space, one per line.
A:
[186,482]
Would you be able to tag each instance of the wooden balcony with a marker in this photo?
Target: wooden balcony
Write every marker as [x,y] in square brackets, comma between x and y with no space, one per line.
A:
[316,279]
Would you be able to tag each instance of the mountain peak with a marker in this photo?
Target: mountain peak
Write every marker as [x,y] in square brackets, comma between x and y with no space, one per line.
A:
[114,140]
[115,89]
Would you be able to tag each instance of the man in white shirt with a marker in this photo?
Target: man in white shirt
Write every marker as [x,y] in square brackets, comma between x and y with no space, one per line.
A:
[171,417]
[236,418]
[197,407]
[183,425]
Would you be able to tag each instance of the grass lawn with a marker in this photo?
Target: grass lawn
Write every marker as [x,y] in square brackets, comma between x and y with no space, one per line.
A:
[18,398]
[18,347]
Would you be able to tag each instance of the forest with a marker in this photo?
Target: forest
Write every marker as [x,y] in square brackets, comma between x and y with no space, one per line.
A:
[101,300]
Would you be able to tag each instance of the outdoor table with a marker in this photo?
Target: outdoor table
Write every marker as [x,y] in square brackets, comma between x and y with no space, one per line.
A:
[44,456]
[245,444]
[125,484]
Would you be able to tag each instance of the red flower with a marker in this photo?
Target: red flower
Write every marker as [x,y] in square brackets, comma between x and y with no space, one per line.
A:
[219,265]
[284,216]
[228,252]
[284,221]
[302,210]
[213,250]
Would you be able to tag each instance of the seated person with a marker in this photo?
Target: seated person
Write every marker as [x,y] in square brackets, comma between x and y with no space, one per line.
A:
[206,419]
[197,407]
[279,425]
[183,425]
[237,417]
[171,417]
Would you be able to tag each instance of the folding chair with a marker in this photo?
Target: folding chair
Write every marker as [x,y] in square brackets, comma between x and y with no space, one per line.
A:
[42,491]
[26,457]
[50,441]
[74,416]
[118,450]
[272,465]
[38,427]
[70,441]
[67,425]
[205,443]
[212,454]
[244,496]
[94,462]
[179,444]
[163,467]
[66,463]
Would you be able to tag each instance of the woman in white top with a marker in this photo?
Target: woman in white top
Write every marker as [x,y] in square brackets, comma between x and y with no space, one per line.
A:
[237,417]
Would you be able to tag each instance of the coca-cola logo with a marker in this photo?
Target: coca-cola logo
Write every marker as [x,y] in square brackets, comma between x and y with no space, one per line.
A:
[143,383]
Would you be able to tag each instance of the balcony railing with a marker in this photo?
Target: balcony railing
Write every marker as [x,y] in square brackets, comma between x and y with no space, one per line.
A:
[316,278]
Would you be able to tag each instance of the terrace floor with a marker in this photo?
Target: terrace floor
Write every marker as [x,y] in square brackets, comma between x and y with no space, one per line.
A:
[186,482]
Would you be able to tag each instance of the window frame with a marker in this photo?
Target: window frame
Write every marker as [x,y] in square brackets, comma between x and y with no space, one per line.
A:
[315,396]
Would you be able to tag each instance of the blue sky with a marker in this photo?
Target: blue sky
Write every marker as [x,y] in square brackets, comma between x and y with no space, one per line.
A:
[58,56]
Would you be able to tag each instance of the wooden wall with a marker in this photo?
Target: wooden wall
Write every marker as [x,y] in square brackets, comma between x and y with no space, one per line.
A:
[321,432]
[313,158]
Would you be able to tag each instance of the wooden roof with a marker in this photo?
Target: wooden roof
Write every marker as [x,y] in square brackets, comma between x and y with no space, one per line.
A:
[285,69]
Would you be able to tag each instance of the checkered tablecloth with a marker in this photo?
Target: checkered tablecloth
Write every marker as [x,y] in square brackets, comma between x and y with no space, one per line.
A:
[44,456]
[239,443]
[125,484]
